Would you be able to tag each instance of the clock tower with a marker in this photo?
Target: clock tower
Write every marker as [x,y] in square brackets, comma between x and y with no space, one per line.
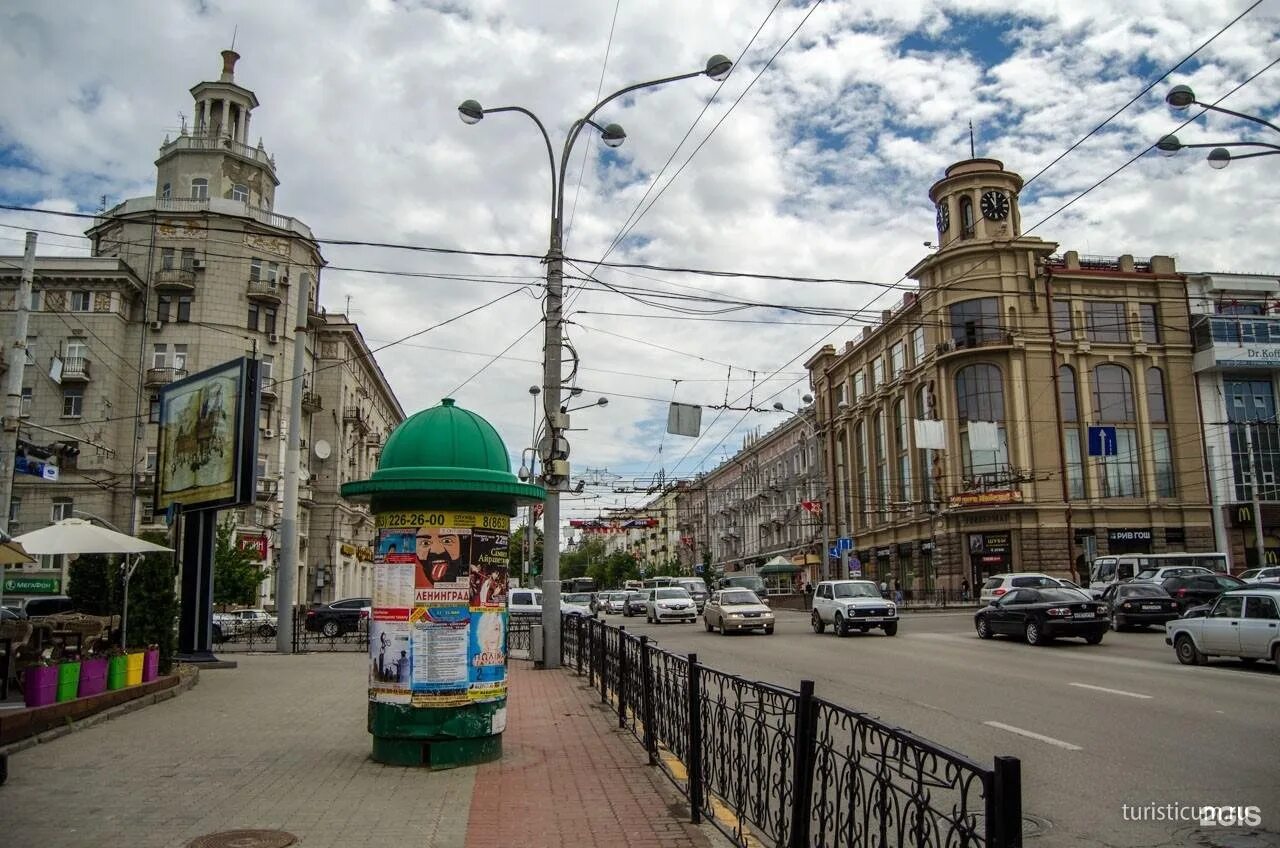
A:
[977,199]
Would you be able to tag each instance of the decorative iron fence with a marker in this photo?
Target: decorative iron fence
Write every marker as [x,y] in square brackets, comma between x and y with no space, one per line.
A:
[797,770]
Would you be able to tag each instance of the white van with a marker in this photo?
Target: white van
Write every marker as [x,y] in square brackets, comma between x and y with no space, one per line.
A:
[1108,570]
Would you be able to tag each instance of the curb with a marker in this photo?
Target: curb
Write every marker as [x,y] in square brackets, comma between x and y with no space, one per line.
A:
[188,676]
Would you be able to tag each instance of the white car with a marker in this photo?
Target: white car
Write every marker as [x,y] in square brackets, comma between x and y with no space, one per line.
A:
[1000,584]
[245,622]
[1261,575]
[529,602]
[1242,623]
[611,602]
[736,609]
[852,605]
[669,603]
[1159,575]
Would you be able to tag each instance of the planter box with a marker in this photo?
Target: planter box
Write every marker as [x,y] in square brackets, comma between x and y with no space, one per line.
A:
[93,677]
[40,685]
[117,667]
[133,676]
[151,665]
[68,681]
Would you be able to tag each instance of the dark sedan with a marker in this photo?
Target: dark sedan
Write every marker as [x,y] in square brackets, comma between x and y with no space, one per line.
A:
[1196,589]
[334,619]
[1042,615]
[635,604]
[1139,605]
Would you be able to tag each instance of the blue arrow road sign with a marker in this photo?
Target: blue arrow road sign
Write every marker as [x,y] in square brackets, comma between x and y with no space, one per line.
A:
[845,543]
[1102,441]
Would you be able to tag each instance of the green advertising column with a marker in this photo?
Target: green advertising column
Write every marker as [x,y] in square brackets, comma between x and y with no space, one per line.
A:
[442,498]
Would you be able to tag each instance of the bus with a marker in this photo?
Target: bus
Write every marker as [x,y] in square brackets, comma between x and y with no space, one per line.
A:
[1114,569]
[578,584]
[659,582]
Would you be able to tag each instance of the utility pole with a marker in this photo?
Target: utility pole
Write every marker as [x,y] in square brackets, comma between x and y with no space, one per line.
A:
[286,591]
[13,388]
[1255,474]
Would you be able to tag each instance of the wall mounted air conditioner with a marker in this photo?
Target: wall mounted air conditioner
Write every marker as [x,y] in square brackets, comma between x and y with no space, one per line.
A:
[269,433]
[273,338]
[197,265]
[156,326]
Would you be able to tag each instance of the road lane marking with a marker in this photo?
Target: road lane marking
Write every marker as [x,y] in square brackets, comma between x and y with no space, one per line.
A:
[1032,735]
[1111,691]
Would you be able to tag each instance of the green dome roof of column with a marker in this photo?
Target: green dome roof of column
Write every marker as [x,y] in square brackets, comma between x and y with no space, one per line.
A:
[444,449]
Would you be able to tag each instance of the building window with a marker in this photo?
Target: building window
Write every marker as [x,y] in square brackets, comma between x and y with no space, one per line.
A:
[268,320]
[864,488]
[188,258]
[1251,416]
[1069,403]
[163,303]
[966,217]
[264,368]
[924,413]
[180,356]
[1162,459]
[903,446]
[262,466]
[240,193]
[1156,408]
[897,360]
[27,395]
[882,466]
[262,271]
[1149,322]
[859,386]
[166,191]
[72,401]
[148,510]
[975,321]
[1106,321]
[184,309]
[199,189]
[917,346]
[167,255]
[15,510]
[159,356]
[255,313]
[1062,324]
[877,373]
[81,301]
[153,410]
[980,401]
[1113,404]
[149,464]
[62,509]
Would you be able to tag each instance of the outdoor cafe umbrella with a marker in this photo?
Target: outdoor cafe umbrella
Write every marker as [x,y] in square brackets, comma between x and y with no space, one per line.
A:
[11,553]
[77,536]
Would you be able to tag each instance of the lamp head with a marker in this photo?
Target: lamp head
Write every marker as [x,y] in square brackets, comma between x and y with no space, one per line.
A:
[1219,158]
[523,473]
[613,135]
[807,398]
[777,404]
[1168,145]
[718,67]
[575,391]
[1180,97]
[604,401]
[535,390]
[470,112]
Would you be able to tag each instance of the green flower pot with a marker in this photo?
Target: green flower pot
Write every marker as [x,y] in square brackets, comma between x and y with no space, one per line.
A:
[117,669]
[68,681]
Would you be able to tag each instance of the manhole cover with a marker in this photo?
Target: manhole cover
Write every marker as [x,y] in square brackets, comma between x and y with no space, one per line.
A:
[244,839]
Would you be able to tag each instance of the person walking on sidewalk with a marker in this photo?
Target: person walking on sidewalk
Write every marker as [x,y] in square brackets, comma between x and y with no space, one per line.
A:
[964,589]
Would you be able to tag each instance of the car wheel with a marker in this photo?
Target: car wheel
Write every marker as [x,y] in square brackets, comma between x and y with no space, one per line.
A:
[891,629]
[816,622]
[1275,656]
[768,631]
[707,623]
[724,631]
[1187,652]
[842,626]
[331,628]
[1094,638]
[266,631]
[1035,636]
[983,627]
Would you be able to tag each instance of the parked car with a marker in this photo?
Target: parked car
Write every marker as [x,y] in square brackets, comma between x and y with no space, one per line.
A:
[337,617]
[745,581]
[242,623]
[636,603]
[852,605]
[998,584]
[48,605]
[529,602]
[1243,623]
[1261,575]
[1159,575]
[1139,604]
[1196,589]
[669,603]
[1042,615]
[736,609]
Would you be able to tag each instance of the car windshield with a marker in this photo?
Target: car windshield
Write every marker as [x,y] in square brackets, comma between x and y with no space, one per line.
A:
[738,596]
[755,584]
[670,593]
[576,598]
[1136,591]
[1056,596]
[856,590]
[1034,582]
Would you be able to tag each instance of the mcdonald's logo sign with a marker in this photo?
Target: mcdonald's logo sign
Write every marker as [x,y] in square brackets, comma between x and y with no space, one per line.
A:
[1241,515]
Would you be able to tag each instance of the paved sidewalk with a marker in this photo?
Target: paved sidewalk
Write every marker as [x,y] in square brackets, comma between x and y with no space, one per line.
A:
[280,743]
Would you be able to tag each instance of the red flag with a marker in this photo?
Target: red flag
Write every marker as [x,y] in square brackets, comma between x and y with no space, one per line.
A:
[812,506]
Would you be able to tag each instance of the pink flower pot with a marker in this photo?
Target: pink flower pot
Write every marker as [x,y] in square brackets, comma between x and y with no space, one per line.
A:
[40,685]
[93,676]
[151,665]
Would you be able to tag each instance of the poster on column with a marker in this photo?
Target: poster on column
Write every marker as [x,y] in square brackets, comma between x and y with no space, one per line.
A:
[441,576]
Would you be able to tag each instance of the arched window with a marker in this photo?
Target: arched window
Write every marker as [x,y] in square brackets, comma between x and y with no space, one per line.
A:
[199,189]
[862,474]
[966,216]
[983,440]
[882,465]
[1161,449]
[924,412]
[902,445]
[1113,404]
[165,192]
[1068,402]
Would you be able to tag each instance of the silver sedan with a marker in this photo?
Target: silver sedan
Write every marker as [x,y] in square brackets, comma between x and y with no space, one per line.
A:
[736,609]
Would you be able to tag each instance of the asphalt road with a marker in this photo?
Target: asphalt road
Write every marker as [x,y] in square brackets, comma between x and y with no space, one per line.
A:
[1096,726]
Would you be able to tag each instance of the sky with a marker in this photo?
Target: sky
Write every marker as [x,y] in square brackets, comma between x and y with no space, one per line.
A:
[812,160]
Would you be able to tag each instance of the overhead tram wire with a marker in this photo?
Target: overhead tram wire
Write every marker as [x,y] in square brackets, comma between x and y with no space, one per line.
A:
[608,47]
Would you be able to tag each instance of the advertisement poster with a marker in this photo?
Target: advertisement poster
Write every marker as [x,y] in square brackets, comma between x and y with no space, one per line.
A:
[439,608]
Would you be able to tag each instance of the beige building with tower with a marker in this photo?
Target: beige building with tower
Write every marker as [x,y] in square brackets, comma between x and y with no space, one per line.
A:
[203,271]
[958,430]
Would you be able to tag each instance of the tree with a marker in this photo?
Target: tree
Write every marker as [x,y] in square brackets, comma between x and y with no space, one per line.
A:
[153,604]
[94,585]
[515,553]
[237,571]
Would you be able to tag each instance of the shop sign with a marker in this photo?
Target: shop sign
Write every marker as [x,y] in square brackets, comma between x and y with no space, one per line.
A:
[926,547]
[988,498]
[884,553]
[995,543]
[347,549]
[257,543]
[33,585]
[1129,534]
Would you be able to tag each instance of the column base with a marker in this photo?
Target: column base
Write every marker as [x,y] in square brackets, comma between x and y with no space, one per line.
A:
[437,753]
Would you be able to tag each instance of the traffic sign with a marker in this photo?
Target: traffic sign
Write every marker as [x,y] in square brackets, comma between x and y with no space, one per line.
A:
[845,543]
[1102,441]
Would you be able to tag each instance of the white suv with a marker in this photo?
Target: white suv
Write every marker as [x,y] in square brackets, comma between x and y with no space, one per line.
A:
[1000,584]
[852,605]
[670,603]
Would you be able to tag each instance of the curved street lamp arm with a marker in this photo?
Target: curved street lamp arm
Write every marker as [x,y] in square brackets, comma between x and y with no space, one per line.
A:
[1275,152]
[1275,147]
[586,119]
[1253,118]
[551,158]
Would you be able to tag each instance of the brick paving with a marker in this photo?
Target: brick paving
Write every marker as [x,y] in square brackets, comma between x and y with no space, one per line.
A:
[280,743]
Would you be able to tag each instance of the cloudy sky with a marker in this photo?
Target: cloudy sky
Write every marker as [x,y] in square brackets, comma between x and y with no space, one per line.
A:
[812,160]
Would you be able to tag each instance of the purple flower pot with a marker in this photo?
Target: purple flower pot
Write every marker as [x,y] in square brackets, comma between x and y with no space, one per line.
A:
[93,676]
[40,685]
[151,665]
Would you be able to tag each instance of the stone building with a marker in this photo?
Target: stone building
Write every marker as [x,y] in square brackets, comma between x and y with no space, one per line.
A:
[958,429]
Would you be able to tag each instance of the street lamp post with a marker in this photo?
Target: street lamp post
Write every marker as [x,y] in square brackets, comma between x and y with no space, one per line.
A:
[555,447]
[1180,98]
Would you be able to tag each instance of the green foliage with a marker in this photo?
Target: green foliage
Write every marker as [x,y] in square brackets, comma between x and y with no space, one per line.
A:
[237,571]
[153,603]
[94,585]
[515,553]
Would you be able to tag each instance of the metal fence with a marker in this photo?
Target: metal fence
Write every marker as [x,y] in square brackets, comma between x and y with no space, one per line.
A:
[230,638]
[794,769]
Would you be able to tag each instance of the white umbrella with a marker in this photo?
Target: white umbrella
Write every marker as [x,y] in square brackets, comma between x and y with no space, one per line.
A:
[77,536]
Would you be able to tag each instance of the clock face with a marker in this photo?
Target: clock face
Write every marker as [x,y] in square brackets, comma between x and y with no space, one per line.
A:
[944,218]
[995,205]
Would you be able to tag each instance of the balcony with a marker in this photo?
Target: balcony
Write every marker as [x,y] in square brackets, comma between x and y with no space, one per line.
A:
[175,279]
[969,339]
[268,388]
[1235,341]
[311,402]
[267,487]
[157,377]
[264,290]
[145,479]
[75,369]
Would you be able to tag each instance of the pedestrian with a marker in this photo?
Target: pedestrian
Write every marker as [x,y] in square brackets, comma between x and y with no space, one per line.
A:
[884,589]
[964,589]
[897,590]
